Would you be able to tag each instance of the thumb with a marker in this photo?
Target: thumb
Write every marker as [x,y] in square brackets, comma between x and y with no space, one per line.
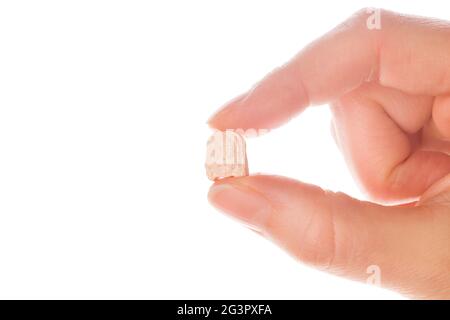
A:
[337,233]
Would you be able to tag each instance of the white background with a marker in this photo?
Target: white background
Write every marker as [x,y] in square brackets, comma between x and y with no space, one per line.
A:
[103,109]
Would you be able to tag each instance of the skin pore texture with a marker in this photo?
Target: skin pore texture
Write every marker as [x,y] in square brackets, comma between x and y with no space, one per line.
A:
[389,92]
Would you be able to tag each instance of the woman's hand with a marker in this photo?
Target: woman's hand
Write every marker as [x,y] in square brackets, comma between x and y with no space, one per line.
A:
[389,90]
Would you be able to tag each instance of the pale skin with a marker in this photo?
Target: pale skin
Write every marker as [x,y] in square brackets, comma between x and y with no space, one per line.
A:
[389,92]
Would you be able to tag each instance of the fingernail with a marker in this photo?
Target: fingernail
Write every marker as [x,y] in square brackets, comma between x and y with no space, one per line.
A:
[246,205]
[223,111]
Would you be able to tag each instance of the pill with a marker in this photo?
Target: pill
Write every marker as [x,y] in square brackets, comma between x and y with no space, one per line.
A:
[226,155]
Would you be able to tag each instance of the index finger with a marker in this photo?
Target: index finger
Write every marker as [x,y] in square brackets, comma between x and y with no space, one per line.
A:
[411,54]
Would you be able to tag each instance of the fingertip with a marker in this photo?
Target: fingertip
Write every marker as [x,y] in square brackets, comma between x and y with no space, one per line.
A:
[239,202]
[270,103]
[222,119]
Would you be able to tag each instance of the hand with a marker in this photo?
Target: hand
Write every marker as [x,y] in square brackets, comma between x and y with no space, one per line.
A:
[389,91]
